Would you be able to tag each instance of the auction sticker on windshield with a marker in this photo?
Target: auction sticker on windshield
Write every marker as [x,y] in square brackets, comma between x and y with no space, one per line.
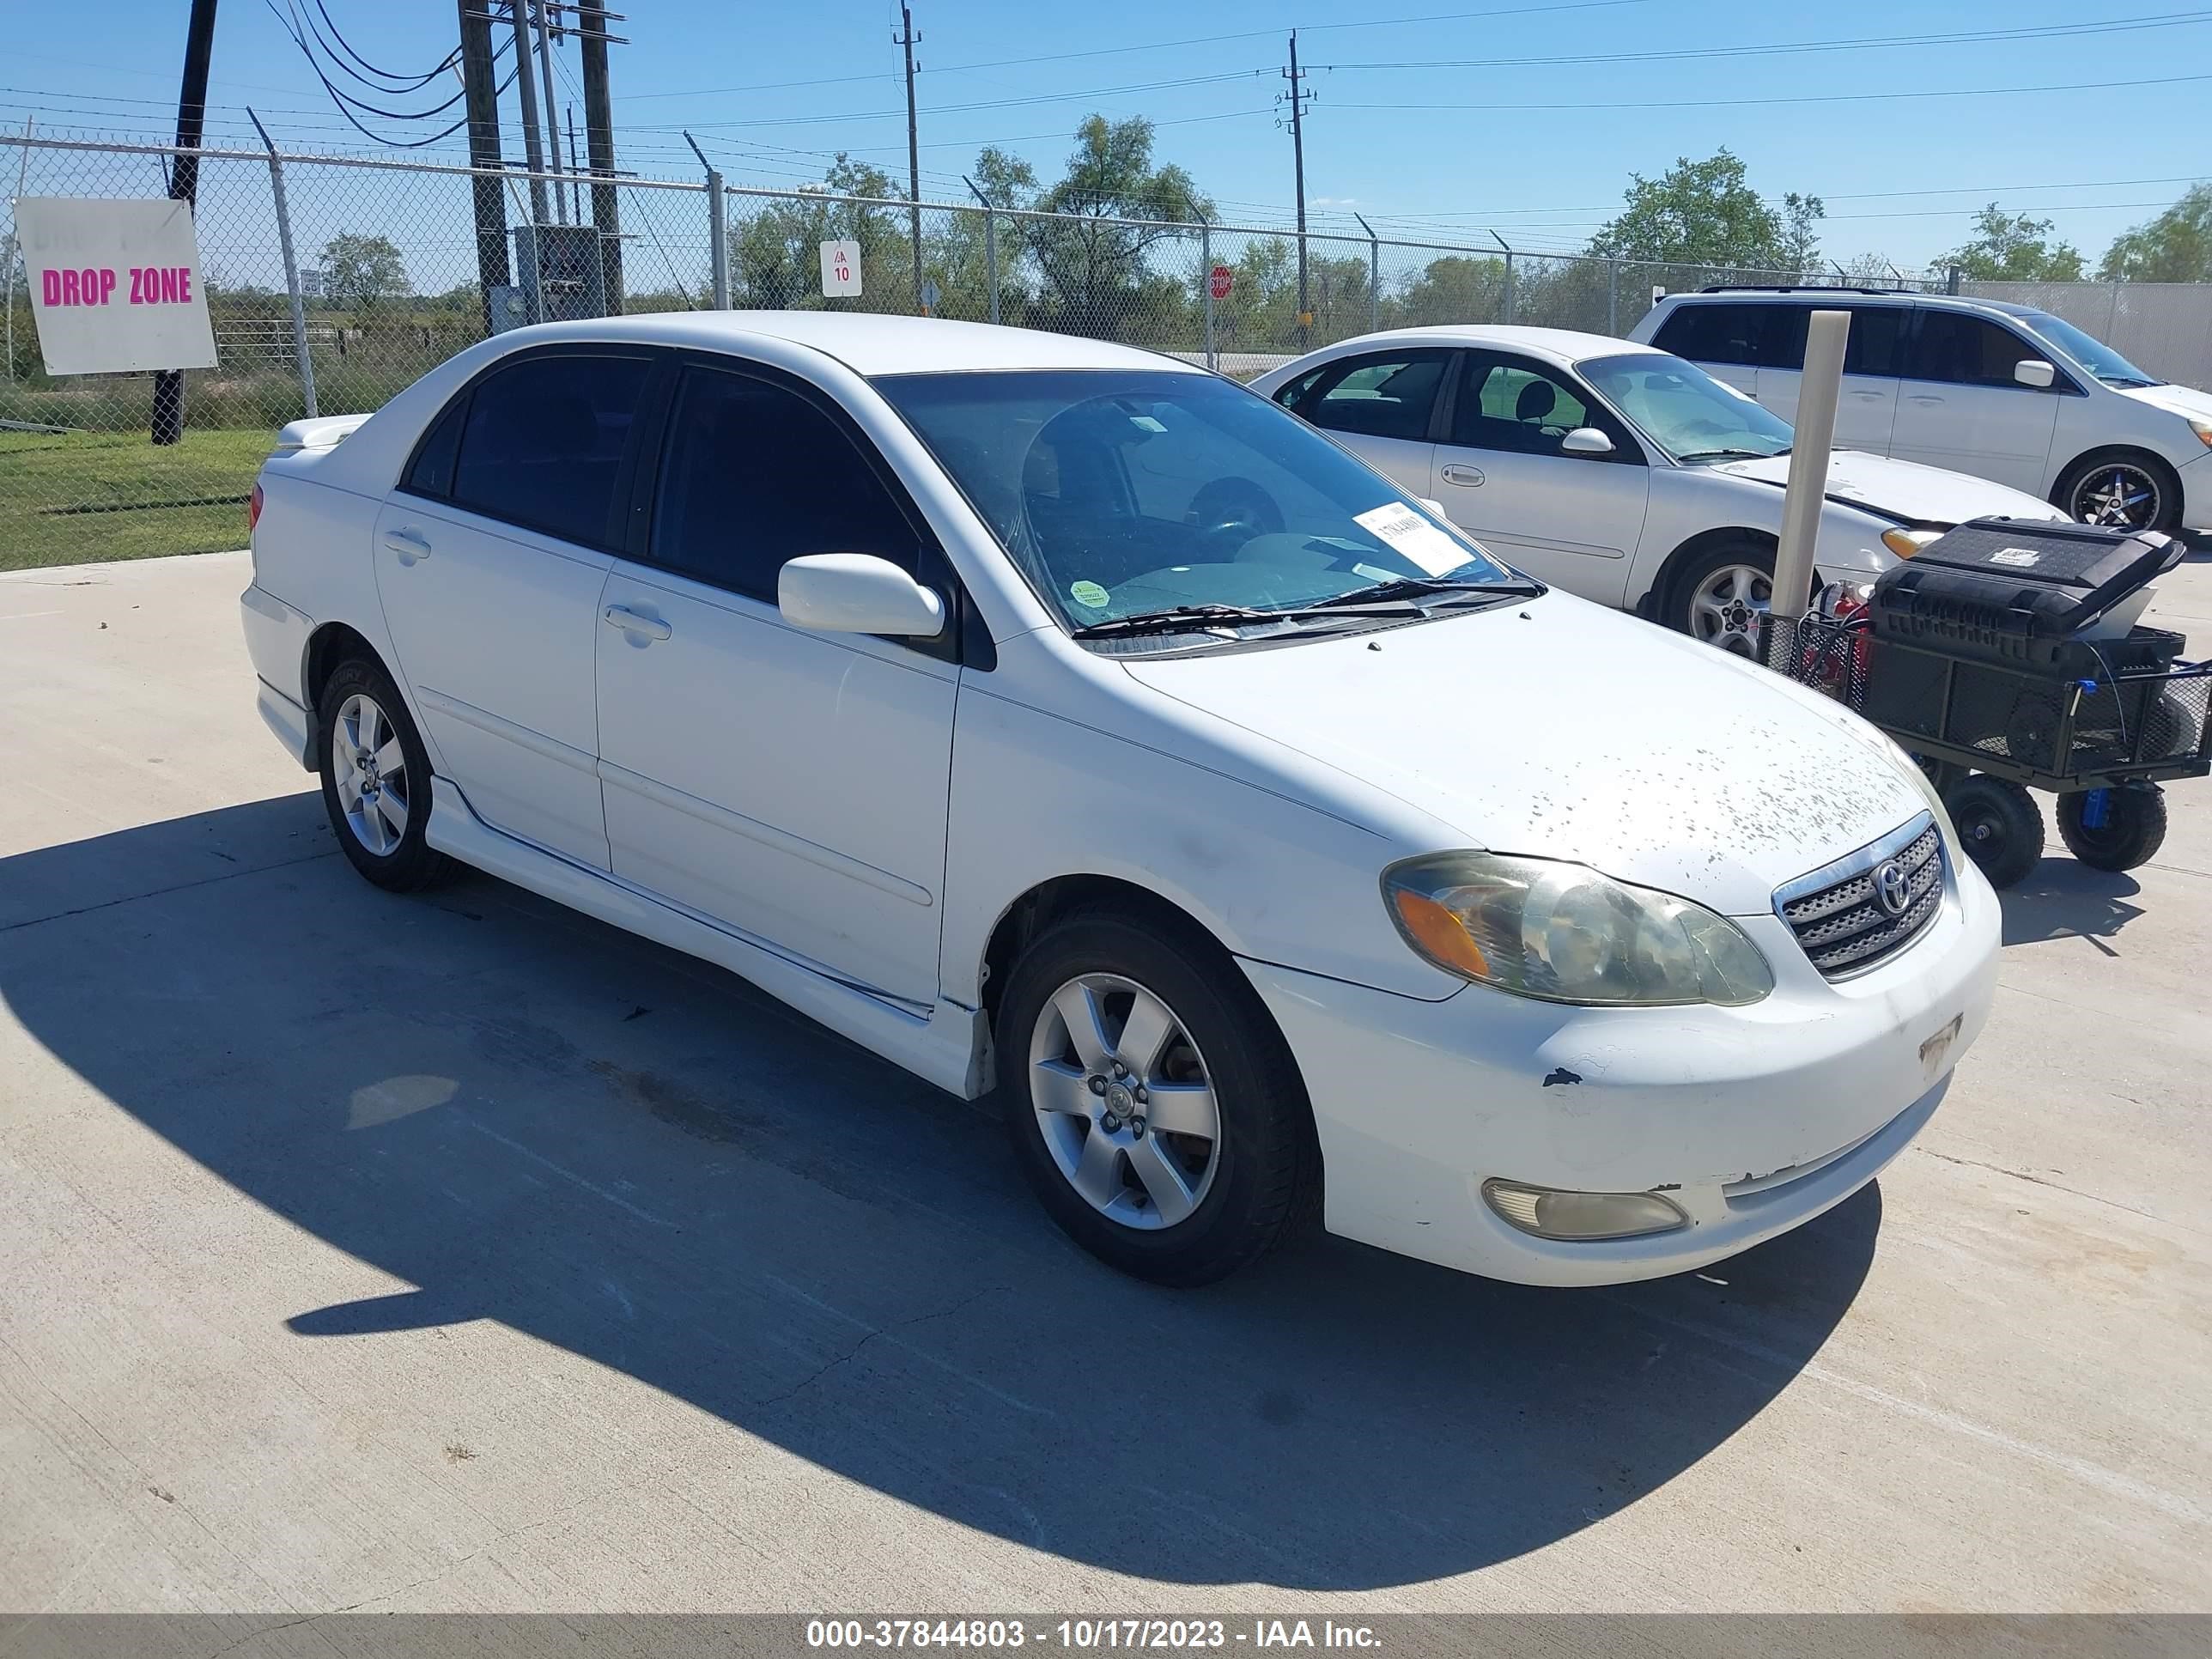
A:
[1404,531]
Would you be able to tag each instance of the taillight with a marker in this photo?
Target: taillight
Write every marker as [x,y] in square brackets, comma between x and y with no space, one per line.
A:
[253,510]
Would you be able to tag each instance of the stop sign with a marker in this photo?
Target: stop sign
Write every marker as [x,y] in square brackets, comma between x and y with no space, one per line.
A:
[1219,282]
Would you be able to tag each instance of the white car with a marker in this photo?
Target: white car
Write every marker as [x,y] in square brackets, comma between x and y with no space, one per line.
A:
[2003,391]
[1616,471]
[1049,716]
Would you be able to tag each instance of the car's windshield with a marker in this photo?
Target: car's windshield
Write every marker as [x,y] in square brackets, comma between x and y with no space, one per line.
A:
[2093,354]
[1125,494]
[1685,410]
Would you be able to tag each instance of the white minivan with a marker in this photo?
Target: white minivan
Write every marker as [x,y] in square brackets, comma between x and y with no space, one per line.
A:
[2001,390]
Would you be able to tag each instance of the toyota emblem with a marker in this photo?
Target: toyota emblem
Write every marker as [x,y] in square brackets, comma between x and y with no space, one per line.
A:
[1892,889]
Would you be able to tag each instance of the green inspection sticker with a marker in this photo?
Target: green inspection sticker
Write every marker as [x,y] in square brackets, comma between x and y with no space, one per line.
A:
[1091,595]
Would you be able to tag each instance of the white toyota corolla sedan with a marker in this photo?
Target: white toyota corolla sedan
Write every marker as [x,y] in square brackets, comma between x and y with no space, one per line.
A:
[1617,471]
[1050,717]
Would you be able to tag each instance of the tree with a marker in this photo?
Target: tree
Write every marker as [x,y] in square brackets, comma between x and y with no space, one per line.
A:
[1455,289]
[775,253]
[2013,248]
[2174,247]
[1800,243]
[1703,213]
[1114,207]
[363,271]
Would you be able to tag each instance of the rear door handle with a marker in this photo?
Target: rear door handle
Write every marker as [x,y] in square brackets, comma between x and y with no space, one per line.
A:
[1470,476]
[632,621]
[409,545]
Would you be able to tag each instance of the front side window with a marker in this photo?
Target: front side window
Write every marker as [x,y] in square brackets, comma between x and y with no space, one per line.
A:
[1960,349]
[1685,410]
[1512,405]
[755,474]
[1121,494]
[1388,396]
[542,444]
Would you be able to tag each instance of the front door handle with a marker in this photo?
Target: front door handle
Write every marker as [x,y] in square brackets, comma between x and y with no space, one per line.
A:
[409,545]
[632,621]
[1923,397]
[1470,476]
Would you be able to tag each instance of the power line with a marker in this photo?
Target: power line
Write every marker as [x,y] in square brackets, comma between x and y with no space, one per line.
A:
[2136,85]
[948,109]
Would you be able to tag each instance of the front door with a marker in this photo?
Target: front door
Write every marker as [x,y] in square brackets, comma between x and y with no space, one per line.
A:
[787,784]
[1959,407]
[1504,477]
[489,561]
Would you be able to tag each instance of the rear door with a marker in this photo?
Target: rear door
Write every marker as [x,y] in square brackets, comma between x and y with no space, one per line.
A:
[489,560]
[1504,477]
[1959,406]
[1379,406]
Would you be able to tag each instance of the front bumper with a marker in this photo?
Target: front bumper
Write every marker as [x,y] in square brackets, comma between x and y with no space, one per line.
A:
[2197,500]
[1752,1121]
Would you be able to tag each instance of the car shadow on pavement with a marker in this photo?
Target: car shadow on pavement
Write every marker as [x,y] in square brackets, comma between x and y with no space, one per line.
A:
[2064,898]
[536,1120]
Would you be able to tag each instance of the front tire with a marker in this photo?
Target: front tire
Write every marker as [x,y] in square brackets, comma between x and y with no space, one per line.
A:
[1150,1102]
[1999,824]
[2121,489]
[376,778]
[2127,828]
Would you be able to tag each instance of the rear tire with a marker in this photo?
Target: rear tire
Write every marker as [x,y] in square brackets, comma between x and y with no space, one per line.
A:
[2132,830]
[1189,1205]
[376,778]
[1999,824]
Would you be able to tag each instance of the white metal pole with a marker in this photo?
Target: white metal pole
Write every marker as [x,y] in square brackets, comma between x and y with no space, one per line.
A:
[291,269]
[718,250]
[1818,390]
[1205,265]
[15,242]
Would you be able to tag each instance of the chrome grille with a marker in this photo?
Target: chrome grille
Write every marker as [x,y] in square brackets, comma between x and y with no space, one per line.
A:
[1839,914]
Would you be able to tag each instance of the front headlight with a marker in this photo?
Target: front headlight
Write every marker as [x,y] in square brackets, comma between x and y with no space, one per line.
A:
[1562,933]
[1905,543]
[2202,430]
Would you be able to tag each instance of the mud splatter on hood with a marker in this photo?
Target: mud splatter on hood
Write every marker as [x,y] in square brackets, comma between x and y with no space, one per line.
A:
[1558,729]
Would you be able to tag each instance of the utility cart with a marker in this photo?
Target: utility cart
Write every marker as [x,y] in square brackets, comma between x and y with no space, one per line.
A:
[2005,657]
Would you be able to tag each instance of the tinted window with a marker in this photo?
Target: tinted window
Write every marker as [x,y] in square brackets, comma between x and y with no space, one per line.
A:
[1964,349]
[1751,336]
[544,440]
[1381,397]
[755,474]
[1876,332]
[1291,392]
[1511,404]
[431,473]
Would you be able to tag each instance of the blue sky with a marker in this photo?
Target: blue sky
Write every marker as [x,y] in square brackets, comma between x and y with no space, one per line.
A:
[1412,122]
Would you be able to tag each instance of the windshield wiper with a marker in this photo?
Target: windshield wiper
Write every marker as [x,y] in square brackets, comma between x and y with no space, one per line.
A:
[1193,618]
[2128,382]
[1731,455]
[1414,586]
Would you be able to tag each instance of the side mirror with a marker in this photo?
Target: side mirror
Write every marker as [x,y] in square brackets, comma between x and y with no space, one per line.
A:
[1434,507]
[1586,440]
[856,593]
[2033,371]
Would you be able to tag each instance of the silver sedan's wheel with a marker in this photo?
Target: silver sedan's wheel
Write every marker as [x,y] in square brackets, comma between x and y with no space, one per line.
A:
[1729,608]
[1124,1101]
[370,769]
[2118,496]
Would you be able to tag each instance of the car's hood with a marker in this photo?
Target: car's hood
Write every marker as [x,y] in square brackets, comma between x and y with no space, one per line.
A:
[1554,728]
[2175,399]
[1905,489]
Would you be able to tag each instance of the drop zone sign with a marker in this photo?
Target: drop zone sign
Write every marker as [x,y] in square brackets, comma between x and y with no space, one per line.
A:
[115,285]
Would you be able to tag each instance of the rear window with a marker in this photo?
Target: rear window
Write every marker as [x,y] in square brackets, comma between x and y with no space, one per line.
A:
[543,443]
[1747,334]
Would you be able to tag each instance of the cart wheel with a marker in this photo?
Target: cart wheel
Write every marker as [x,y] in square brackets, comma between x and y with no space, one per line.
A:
[2000,825]
[2114,829]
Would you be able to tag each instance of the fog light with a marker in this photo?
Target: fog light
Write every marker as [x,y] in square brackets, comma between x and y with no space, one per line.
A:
[1585,1216]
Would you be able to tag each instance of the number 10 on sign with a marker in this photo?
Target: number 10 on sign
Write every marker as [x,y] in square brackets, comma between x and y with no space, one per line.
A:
[841,270]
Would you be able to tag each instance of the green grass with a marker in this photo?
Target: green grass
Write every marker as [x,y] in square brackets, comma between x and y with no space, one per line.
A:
[188,497]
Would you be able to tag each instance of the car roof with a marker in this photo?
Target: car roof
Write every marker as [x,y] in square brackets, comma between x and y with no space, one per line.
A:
[1816,295]
[868,344]
[1564,346]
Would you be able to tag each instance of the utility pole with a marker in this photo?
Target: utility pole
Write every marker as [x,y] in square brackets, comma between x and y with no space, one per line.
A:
[185,186]
[545,90]
[1297,96]
[526,88]
[480,89]
[905,39]
[600,149]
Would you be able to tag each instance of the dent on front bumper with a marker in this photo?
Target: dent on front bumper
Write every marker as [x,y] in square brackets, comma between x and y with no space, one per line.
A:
[1752,1121]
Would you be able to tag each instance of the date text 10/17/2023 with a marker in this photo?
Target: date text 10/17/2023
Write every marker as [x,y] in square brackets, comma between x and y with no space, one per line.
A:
[1087,1635]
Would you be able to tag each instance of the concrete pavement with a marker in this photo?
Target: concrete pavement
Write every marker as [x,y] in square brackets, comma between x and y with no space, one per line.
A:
[456,1253]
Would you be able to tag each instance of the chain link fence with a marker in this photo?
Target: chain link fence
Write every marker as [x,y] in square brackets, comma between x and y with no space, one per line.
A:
[396,265]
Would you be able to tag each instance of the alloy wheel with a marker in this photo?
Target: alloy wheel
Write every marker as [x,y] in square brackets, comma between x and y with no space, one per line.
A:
[370,769]
[1728,609]
[1124,1101]
[2118,496]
